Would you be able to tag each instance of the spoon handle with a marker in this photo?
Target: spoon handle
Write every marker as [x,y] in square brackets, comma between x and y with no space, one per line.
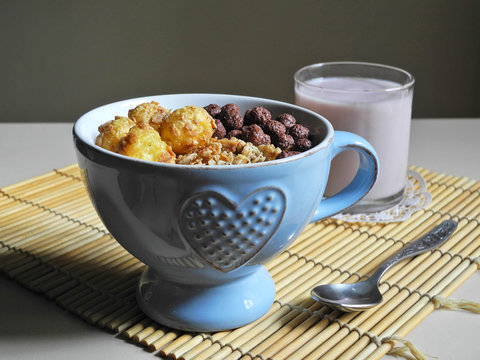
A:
[432,239]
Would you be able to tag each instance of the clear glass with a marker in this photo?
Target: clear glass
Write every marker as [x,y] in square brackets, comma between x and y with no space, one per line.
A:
[373,101]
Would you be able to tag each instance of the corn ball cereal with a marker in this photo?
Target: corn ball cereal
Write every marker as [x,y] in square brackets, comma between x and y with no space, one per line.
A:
[113,131]
[151,113]
[144,142]
[186,128]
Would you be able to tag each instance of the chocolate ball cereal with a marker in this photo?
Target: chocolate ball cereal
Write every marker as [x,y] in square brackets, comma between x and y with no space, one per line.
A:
[254,134]
[284,141]
[257,115]
[235,133]
[303,144]
[285,154]
[299,131]
[220,131]
[287,120]
[274,127]
[214,110]
[231,117]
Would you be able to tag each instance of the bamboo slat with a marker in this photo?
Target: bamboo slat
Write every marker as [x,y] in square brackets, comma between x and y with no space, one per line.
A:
[52,242]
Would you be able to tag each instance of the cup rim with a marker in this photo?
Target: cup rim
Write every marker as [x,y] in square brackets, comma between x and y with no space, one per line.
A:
[407,85]
[80,135]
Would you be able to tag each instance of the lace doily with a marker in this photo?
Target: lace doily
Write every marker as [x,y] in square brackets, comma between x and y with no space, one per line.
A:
[416,197]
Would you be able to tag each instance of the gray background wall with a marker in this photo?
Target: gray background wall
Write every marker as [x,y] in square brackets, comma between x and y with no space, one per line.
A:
[59,59]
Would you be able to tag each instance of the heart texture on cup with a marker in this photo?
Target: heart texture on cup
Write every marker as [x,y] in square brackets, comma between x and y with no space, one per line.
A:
[225,234]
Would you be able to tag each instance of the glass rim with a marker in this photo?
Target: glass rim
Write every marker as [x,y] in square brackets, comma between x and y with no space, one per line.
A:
[408,84]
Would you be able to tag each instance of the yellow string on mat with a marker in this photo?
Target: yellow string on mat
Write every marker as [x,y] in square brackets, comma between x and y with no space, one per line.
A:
[441,302]
[406,350]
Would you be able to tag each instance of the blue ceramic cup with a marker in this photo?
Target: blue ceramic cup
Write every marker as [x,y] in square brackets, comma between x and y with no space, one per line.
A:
[206,231]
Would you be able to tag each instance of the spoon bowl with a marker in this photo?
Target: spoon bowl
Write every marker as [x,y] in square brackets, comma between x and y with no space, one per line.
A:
[366,294]
[349,297]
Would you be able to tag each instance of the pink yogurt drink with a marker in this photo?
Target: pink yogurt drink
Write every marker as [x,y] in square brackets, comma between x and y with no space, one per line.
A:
[379,110]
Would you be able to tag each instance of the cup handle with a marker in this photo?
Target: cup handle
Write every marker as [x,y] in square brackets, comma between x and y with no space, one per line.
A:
[362,182]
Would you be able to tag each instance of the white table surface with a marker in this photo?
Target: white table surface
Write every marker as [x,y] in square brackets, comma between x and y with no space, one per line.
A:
[31,327]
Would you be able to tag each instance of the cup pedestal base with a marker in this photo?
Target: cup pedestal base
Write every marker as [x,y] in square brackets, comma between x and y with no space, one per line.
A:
[206,308]
[367,205]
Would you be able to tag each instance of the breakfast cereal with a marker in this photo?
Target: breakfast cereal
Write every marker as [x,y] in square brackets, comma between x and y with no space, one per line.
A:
[144,142]
[231,151]
[187,128]
[113,131]
[212,135]
[151,113]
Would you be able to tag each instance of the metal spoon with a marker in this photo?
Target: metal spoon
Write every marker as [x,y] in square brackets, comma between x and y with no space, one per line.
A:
[365,294]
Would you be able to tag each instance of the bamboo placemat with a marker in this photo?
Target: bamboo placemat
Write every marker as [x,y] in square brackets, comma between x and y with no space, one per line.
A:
[52,242]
